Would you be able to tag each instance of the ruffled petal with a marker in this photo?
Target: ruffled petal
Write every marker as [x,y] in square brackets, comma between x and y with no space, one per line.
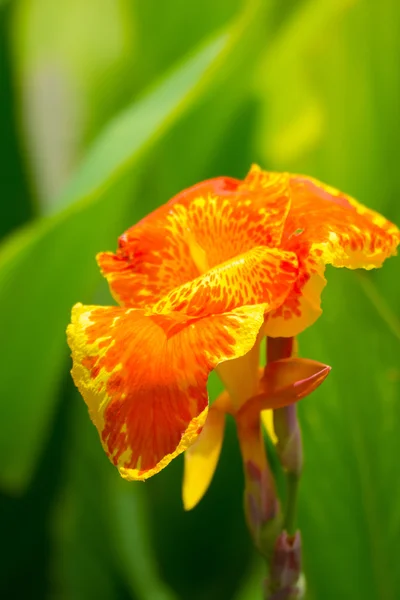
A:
[143,377]
[270,197]
[206,225]
[302,307]
[335,228]
[326,226]
[201,459]
[160,252]
[260,276]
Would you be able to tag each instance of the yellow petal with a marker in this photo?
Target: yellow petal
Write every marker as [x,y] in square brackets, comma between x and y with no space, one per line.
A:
[267,417]
[201,459]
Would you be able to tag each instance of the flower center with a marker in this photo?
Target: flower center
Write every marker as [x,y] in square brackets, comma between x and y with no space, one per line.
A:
[239,376]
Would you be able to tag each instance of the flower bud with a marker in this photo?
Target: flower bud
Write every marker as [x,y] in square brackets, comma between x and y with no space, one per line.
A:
[289,446]
[285,581]
[261,504]
[262,508]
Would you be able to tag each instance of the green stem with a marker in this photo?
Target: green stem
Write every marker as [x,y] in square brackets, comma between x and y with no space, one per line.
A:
[291,503]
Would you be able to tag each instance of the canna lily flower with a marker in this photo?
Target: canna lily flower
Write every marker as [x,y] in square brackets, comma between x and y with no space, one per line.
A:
[199,282]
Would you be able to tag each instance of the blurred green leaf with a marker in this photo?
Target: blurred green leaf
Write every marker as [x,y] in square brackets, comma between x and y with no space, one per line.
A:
[44,269]
[70,78]
[308,87]
[15,208]
[213,552]
[82,566]
[128,521]
[380,303]
[101,548]
[135,129]
[252,587]
[350,492]
[24,521]
[219,131]
[167,30]
[293,115]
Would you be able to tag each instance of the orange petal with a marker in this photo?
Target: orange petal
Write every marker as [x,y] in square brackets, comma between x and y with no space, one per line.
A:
[160,252]
[288,380]
[326,226]
[335,228]
[269,193]
[203,226]
[144,377]
[285,382]
[230,221]
[260,276]
[302,307]
[201,459]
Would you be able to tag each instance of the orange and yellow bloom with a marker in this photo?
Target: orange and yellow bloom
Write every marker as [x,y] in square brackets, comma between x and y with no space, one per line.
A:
[199,282]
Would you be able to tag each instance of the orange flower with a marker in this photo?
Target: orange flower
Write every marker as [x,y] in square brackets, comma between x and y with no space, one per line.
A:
[199,282]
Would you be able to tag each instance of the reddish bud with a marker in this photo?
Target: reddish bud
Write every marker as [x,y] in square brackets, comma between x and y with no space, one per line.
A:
[285,575]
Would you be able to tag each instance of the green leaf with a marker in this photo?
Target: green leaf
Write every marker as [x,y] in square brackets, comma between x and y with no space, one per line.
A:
[128,519]
[289,130]
[82,563]
[217,137]
[335,59]
[350,489]
[69,78]
[134,130]
[47,267]
[251,588]
[99,528]
[17,209]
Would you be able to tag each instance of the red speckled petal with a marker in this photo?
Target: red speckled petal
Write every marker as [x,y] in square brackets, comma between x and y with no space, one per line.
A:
[160,252]
[200,228]
[260,276]
[253,215]
[325,226]
[302,307]
[143,377]
[336,229]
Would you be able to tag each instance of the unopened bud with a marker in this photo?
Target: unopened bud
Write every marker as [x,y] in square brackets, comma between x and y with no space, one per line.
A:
[261,503]
[289,446]
[262,508]
[286,581]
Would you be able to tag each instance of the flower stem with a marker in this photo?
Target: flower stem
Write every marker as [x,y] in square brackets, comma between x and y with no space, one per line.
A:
[291,503]
[261,503]
[290,452]
[285,580]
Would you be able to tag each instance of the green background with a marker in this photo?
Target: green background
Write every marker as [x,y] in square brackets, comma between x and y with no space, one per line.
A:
[108,108]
